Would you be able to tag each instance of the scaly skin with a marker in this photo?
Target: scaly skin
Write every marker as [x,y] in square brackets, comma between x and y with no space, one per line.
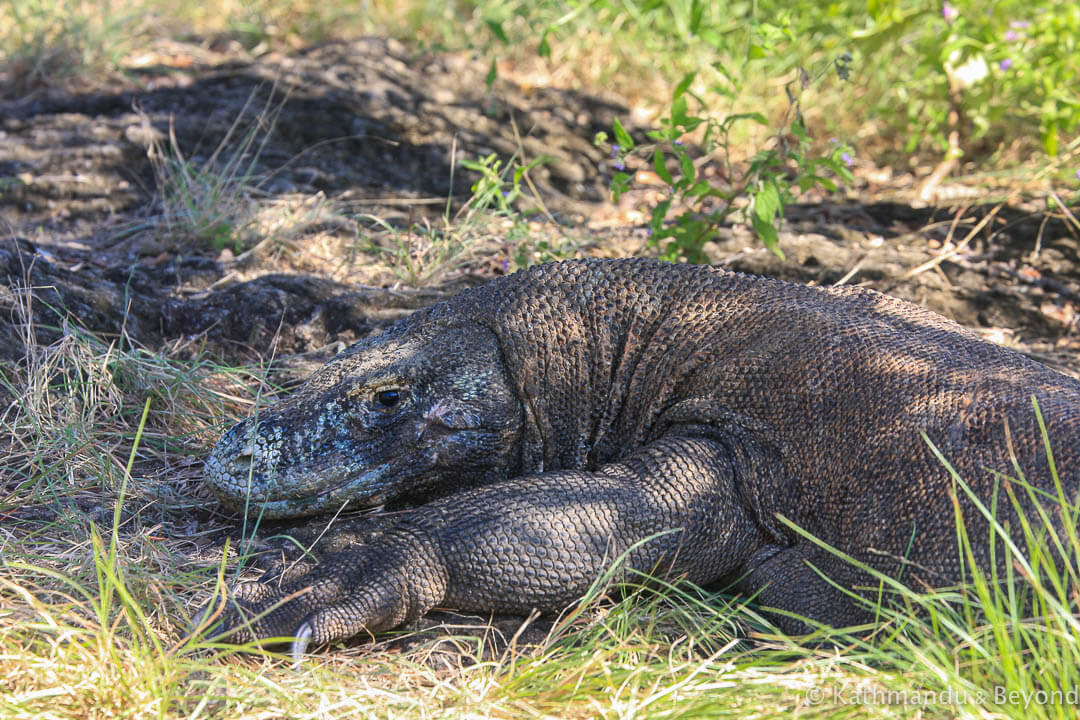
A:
[544,423]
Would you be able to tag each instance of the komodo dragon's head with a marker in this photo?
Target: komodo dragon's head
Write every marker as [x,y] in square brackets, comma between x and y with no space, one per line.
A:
[422,409]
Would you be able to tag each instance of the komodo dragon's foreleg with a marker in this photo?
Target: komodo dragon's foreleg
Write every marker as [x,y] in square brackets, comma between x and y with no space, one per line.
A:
[529,542]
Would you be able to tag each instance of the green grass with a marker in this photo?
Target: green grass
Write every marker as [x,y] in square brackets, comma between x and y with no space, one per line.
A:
[492,223]
[49,42]
[760,58]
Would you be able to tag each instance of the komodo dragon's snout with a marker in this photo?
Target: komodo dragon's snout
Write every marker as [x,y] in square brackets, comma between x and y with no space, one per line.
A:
[679,417]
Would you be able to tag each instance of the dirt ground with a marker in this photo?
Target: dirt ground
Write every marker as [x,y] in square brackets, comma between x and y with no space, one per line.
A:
[367,130]
[354,144]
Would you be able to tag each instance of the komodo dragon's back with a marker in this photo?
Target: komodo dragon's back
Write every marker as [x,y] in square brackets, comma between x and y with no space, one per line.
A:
[547,421]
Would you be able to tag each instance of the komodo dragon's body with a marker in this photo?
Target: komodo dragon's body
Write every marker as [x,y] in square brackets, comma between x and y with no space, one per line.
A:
[544,423]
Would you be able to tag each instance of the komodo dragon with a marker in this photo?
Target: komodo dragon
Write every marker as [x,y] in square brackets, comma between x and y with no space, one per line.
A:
[548,421]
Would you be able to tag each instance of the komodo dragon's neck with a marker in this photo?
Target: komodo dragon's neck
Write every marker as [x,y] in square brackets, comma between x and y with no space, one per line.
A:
[595,361]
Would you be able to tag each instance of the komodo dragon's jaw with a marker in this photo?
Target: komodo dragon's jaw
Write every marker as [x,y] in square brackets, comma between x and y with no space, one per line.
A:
[424,408]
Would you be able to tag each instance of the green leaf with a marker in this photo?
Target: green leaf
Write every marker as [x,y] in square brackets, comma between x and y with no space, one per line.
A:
[823,182]
[692,123]
[492,73]
[619,183]
[697,10]
[622,138]
[755,116]
[798,128]
[1050,140]
[723,91]
[756,52]
[671,252]
[678,110]
[699,189]
[685,83]
[544,49]
[687,167]
[763,159]
[497,30]
[767,202]
[766,232]
[660,166]
[658,214]
[722,69]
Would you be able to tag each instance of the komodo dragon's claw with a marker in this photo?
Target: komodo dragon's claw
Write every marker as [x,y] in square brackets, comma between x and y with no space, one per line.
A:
[300,643]
[352,592]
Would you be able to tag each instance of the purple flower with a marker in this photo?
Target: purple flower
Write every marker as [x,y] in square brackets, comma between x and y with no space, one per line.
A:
[620,166]
[1011,36]
[1019,24]
[1005,64]
[1078,174]
[948,12]
[846,157]
[678,142]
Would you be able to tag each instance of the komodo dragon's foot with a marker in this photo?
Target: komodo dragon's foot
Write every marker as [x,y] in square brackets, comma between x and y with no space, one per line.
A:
[361,590]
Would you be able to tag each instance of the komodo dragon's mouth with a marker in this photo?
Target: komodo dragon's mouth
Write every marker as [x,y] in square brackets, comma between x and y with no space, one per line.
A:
[275,495]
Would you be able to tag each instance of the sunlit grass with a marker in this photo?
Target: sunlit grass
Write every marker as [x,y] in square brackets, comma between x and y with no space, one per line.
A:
[213,201]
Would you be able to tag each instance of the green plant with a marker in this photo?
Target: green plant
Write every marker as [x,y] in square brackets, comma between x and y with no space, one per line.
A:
[419,255]
[528,252]
[767,183]
[497,190]
[493,190]
[983,71]
[956,78]
[742,42]
[487,222]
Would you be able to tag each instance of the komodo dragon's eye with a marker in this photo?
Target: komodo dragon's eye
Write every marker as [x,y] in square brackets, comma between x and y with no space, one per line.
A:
[387,399]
